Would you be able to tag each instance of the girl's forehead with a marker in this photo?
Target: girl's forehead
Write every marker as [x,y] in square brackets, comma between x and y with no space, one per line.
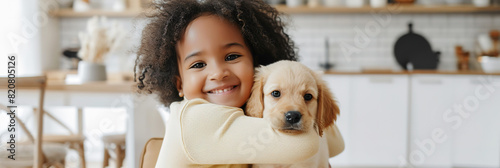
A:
[211,25]
[208,32]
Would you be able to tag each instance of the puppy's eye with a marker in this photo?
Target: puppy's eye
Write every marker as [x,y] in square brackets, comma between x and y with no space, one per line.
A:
[308,97]
[276,93]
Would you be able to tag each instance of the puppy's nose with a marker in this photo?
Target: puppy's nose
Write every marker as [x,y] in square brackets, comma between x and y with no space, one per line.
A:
[292,117]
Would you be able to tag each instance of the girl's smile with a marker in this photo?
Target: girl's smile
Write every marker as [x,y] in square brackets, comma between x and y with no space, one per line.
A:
[215,63]
[223,90]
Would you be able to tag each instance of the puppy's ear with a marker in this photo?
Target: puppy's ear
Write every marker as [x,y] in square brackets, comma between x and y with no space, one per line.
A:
[255,104]
[327,107]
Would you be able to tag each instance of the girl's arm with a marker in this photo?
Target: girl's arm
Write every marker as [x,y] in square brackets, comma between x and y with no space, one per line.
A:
[216,134]
[335,141]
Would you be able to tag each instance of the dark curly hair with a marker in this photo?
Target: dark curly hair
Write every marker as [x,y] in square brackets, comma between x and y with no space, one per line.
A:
[156,68]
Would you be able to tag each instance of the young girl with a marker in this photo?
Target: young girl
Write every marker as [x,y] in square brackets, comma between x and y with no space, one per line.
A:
[199,58]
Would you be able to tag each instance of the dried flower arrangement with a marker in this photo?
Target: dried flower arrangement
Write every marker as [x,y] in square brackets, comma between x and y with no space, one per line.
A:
[99,40]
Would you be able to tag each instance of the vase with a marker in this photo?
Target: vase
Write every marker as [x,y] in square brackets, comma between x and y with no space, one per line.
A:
[294,3]
[355,3]
[89,72]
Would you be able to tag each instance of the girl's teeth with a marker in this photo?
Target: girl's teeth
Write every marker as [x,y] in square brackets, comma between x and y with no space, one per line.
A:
[224,90]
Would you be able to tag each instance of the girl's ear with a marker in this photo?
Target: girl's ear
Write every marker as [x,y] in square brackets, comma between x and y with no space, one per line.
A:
[178,84]
[327,108]
[255,104]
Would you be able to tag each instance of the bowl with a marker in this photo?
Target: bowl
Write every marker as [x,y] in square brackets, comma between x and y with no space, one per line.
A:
[490,64]
[481,3]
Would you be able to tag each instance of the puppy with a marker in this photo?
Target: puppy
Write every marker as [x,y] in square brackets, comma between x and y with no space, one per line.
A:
[294,99]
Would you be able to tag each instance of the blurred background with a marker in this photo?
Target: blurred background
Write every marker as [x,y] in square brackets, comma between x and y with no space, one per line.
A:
[417,81]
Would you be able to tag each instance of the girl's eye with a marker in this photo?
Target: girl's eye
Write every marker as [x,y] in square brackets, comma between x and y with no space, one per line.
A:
[308,97]
[231,57]
[276,94]
[198,65]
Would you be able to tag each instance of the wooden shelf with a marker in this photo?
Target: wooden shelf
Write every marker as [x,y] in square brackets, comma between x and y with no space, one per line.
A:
[310,10]
[70,13]
[391,9]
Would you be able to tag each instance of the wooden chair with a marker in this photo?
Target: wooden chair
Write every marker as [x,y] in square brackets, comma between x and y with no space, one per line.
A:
[37,82]
[114,148]
[150,153]
[24,150]
[75,141]
[50,143]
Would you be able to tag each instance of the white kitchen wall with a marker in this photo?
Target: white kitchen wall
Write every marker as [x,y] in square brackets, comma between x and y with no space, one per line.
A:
[443,31]
[309,31]
[29,32]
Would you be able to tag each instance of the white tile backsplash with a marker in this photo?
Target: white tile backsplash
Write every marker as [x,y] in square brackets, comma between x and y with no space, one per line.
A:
[443,31]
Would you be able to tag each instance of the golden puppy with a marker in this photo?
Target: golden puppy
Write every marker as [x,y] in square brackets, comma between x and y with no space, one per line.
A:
[295,100]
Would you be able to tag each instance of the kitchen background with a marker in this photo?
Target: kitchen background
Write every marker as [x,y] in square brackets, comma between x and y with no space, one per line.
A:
[399,95]
[309,31]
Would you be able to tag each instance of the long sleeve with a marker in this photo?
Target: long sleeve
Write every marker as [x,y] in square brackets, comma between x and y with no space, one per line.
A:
[335,141]
[216,134]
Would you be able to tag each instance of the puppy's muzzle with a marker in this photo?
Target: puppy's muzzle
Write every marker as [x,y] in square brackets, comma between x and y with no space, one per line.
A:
[292,117]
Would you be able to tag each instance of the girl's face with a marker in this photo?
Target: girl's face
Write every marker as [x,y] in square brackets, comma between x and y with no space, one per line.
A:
[214,62]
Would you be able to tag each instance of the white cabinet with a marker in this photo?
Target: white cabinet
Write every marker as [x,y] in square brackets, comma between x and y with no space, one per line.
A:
[454,120]
[374,123]
[476,126]
[340,86]
[378,120]
[430,133]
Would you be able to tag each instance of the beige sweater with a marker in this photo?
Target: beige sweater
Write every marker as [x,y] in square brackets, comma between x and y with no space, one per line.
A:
[202,134]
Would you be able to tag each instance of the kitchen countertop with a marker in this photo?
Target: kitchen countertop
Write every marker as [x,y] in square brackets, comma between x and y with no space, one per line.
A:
[415,72]
[115,85]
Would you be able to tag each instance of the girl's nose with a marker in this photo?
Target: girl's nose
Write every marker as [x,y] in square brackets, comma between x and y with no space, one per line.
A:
[219,73]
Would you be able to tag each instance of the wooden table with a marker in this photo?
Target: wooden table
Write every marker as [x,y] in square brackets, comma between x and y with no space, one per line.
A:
[143,120]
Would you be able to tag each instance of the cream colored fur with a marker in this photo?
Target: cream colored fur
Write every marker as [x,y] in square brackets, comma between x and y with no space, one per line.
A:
[293,80]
